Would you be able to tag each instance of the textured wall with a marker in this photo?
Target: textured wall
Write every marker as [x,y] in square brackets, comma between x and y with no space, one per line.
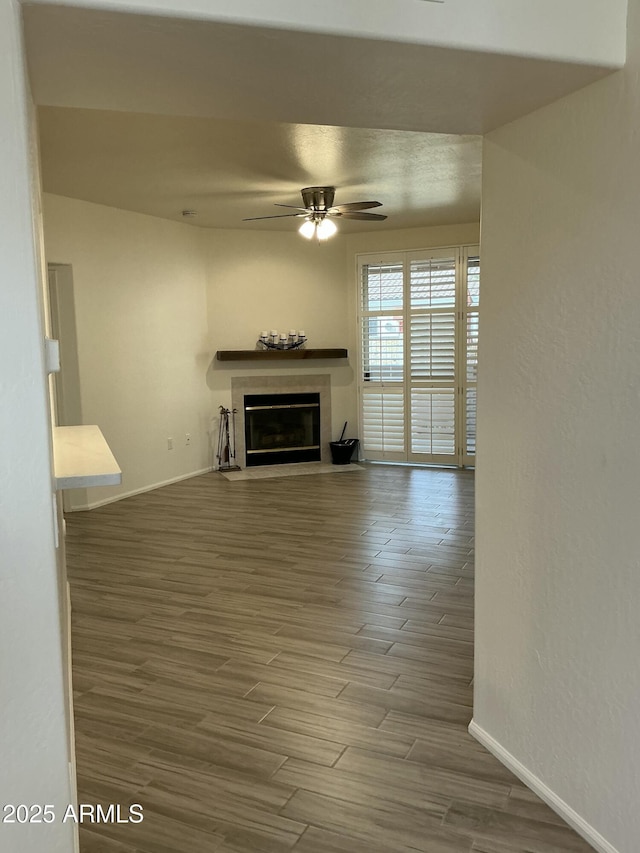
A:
[412,238]
[143,349]
[33,731]
[557,681]
[279,280]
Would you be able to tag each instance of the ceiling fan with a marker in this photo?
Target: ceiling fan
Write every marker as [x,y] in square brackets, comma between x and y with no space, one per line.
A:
[319,212]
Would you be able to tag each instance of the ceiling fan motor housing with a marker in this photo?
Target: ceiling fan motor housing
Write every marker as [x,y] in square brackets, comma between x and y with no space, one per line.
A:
[318,198]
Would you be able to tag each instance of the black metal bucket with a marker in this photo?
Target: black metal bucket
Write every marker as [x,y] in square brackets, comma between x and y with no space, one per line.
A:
[342,451]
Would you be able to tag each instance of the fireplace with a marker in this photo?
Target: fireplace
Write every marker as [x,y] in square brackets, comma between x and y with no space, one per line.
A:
[281,428]
[309,387]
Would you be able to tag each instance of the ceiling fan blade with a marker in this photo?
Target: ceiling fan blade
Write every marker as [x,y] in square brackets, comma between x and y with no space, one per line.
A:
[292,206]
[354,215]
[278,216]
[356,205]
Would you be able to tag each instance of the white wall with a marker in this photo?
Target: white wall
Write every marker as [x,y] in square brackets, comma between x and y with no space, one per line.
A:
[558,582]
[412,238]
[279,280]
[585,31]
[33,731]
[143,348]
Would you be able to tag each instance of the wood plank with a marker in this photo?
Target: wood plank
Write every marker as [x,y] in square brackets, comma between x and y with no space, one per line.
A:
[349,734]
[410,827]
[531,835]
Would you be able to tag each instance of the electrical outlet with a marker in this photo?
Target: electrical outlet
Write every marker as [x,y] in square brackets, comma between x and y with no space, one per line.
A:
[187,438]
[169,444]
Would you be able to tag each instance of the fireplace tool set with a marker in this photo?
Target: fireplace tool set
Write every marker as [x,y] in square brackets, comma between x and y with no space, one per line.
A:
[226,455]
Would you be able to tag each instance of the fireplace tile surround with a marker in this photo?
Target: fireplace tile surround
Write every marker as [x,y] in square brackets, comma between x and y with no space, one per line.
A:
[242,386]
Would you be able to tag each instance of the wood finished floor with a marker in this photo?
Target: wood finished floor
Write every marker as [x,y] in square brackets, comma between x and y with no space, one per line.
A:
[286,665]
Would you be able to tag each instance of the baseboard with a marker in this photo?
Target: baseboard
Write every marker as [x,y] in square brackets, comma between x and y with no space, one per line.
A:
[545,793]
[121,497]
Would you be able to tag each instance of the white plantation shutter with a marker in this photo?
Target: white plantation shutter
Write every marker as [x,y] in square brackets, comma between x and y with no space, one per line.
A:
[433,421]
[433,282]
[432,356]
[382,362]
[419,327]
[469,379]
[472,347]
[470,418]
[433,347]
[383,422]
[382,287]
[473,279]
[383,348]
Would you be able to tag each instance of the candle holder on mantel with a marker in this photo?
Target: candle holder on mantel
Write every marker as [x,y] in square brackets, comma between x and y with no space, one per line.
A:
[274,341]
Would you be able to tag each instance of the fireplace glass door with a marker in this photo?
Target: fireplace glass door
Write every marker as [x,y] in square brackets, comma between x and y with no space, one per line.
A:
[282,428]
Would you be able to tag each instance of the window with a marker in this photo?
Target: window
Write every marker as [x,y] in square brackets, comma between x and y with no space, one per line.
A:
[419,322]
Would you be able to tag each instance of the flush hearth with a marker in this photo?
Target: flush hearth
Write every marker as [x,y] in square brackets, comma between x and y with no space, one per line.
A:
[281,428]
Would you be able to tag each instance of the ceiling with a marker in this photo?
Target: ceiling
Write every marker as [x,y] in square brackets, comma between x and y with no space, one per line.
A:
[228,170]
[156,115]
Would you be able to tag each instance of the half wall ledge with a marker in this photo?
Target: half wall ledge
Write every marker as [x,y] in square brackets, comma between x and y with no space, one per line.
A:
[82,458]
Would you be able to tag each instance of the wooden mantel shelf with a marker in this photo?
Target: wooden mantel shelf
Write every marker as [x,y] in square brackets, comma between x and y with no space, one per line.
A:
[274,354]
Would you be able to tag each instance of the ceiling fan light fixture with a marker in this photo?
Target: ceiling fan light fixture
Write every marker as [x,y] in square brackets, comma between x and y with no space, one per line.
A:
[319,227]
[308,228]
[325,229]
